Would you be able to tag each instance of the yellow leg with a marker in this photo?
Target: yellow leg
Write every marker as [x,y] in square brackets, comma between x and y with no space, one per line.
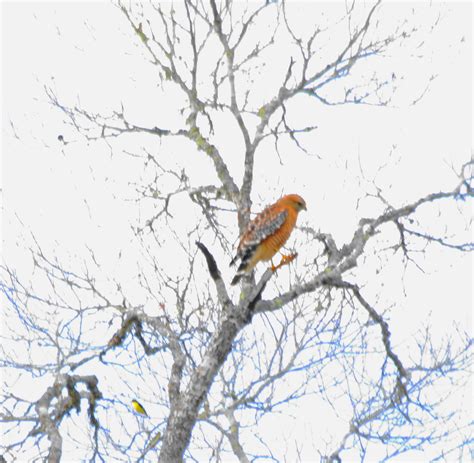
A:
[285,260]
[273,268]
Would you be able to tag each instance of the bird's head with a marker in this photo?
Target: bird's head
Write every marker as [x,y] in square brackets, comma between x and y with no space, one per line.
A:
[294,201]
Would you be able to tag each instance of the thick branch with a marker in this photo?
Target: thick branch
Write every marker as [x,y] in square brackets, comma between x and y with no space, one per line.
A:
[222,295]
[183,417]
[50,419]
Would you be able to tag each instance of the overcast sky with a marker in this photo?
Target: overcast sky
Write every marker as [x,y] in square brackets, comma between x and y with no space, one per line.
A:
[79,194]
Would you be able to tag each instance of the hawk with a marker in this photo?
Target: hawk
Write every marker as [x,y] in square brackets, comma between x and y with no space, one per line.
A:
[267,233]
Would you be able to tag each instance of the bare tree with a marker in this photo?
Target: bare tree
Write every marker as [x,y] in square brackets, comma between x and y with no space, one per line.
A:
[213,363]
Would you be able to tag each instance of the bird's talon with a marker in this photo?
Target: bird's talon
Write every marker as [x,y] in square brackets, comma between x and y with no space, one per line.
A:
[285,260]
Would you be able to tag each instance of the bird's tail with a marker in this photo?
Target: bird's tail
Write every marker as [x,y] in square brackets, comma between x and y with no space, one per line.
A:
[236,279]
[241,271]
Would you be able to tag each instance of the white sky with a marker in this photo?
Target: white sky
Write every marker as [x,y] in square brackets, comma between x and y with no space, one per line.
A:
[72,197]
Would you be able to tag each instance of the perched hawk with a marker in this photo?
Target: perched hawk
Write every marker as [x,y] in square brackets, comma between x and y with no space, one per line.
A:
[267,233]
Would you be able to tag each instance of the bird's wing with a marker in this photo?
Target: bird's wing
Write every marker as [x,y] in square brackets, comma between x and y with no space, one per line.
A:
[265,224]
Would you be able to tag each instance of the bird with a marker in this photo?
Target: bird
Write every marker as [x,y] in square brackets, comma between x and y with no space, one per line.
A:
[266,234]
[138,407]
[154,441]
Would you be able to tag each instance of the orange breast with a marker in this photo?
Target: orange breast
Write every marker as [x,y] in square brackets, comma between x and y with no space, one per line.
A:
[271,245]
